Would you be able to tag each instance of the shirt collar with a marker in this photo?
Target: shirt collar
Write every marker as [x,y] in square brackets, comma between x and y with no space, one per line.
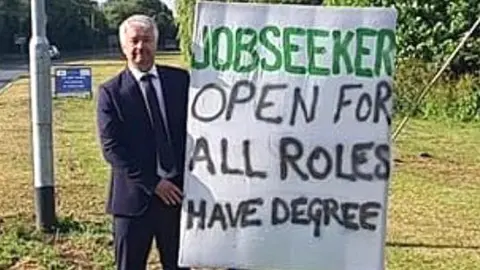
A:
[137,74]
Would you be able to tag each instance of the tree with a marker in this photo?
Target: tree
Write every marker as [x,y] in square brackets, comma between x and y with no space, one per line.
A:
[118,10]
[430,30]
[75,24]
[14,20]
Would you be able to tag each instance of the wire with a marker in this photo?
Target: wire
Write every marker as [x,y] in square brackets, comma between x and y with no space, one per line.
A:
[425,90]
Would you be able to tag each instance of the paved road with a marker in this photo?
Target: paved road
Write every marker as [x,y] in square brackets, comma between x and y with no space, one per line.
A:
[10,72]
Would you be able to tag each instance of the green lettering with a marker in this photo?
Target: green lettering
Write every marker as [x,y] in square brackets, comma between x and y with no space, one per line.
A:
[206,52]
[314,50]
[384,56]
[289,48]
[227,44]
[361,50]
[249,47]
[264,40]
[340,51]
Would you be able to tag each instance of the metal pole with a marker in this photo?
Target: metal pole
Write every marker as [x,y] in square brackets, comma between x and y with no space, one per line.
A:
[41,102]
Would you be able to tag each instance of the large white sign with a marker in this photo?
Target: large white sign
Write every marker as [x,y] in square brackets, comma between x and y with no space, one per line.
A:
[288,155]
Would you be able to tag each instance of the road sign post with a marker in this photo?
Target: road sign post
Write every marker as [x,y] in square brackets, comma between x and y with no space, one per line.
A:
[41,102]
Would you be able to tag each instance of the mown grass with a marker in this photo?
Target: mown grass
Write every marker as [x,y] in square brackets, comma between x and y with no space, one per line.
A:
[434,214]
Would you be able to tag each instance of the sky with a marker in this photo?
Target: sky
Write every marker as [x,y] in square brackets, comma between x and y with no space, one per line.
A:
[169,3]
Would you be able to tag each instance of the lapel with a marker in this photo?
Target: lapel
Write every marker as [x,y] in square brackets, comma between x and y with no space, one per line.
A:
[135,94]
[167,92]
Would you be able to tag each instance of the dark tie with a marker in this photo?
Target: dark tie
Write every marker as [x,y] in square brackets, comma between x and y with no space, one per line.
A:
[164,149]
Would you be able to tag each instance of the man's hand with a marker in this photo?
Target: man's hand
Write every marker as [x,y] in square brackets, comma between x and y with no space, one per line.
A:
[168,192]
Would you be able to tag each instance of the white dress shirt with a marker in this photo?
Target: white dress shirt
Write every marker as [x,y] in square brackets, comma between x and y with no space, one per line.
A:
[137,74]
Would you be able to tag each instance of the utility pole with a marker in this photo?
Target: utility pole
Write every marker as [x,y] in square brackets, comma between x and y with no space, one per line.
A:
[41,109]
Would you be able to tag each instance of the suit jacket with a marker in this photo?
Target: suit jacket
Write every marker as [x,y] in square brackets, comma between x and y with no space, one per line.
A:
[127,138]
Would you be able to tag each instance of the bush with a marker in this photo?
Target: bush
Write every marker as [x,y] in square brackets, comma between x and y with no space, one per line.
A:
[451,97]
[430,30]
[184,21]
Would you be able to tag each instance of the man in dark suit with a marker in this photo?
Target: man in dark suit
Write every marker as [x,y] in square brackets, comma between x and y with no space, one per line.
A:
[141,119]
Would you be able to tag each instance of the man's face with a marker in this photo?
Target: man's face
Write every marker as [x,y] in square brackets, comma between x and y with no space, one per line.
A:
[139,47]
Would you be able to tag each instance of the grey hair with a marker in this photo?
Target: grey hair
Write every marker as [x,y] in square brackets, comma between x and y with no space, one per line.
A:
[141,20]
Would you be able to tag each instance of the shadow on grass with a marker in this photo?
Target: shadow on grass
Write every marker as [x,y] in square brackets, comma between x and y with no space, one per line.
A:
[23,228]
[432,246]
[68,225]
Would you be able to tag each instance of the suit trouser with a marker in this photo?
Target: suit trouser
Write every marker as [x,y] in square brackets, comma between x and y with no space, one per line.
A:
[133,237]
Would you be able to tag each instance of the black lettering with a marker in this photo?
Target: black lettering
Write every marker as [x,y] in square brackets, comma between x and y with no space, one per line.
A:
[364,97]
[201,145]
[291,158]
[249,208]
[315,215]
[300,211]
[200,214]
[330,209]
[277,205]
[218,215]
[299,216]
[382,153]
[339,164]
[210,86]
[341,100]
[234,99]
[262,104]
[224,164]
[359,157]
[249,171]
[368,210]
[305,211]
[297,99]
[316,154]
[348,217]
[380,101]
[234,219]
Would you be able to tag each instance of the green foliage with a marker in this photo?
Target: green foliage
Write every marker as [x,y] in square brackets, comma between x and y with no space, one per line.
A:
[75,24]
[184,21]
[118,10]
[14,19]
[451,97]
[71,24]
[19,240]
[21,243]
[430,30]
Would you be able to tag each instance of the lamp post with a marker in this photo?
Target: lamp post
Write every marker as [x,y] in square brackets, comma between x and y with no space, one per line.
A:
[41,109]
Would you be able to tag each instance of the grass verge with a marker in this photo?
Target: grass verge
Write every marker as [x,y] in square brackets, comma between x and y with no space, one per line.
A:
[433,209]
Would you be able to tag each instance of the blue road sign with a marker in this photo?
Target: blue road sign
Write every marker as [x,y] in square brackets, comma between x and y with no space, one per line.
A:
[73,81]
